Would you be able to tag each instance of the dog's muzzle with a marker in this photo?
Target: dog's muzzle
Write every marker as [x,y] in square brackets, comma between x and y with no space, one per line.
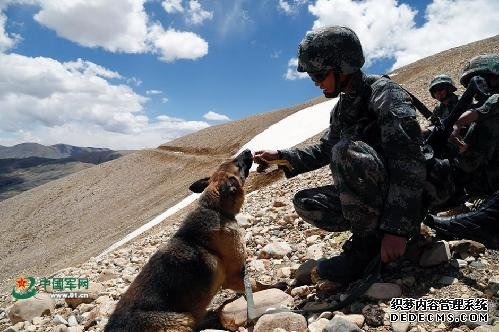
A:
[244,161]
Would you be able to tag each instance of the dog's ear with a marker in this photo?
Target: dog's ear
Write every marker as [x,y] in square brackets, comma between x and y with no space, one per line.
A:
[200,185]
[228,188]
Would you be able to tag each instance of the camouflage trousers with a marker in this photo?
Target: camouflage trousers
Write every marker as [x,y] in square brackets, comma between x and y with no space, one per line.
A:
[355,200]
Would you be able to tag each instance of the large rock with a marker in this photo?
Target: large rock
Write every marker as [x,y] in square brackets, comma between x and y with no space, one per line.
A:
[40,305]
[234,313]
[340,324]
[383,291]
[288,321]
[438,253]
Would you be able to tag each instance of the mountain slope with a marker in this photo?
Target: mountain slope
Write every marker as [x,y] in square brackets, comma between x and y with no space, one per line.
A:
[57,151]
[28,165]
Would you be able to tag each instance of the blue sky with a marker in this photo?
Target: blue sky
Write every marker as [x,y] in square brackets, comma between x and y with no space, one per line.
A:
[137,73]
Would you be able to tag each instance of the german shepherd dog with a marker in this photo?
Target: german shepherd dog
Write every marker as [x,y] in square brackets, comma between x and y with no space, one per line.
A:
[207,253]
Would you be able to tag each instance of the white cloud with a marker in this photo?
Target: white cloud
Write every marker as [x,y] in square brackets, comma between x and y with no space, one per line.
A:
[387,29]
[7,40]
[275,54]
[172,44]
[172,6]
[164,100]
[196,14]
[153,92]
[213,116]
[117,26]
[291,73]
[76,104]
[290,7]
[90,69]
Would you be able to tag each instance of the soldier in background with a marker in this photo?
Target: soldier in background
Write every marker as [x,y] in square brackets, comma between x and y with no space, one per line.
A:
[442,89]
[477,166]
[373,150]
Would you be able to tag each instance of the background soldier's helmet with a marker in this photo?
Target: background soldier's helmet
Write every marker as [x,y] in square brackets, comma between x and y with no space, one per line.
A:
[480,65]
[333,48]
[443,81]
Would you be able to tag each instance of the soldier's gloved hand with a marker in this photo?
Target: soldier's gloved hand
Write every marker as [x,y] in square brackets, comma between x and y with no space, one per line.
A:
[392,247]
[265,155]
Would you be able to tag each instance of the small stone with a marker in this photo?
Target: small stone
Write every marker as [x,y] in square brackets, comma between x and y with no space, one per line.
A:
[400,326]
[483,328]
[257,265]
[106,275]
[234,313]
[409,281]
[37,320]
[318,325]
[301,291]
[276,250]
[279,203]
[356,319]
[383,291]
[458,263]
[446,280]
[303,273]
[373,314]
[284,272]
[93,291]
[467,247]
[437,254]
[72,321]
[493,286]
[477,264]
[12,328]
[340,324]
[244,220]
[326,314]
[58,319]
[288,321]
[315,251]
[312,239]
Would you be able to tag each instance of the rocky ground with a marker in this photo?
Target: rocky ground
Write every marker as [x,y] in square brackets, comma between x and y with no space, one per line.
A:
[278,244]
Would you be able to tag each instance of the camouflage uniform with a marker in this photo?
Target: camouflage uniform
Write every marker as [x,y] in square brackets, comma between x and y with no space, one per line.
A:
[373,150]
[478,166]
[442,111]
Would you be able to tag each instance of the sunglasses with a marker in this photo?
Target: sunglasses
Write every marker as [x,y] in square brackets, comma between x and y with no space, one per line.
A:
[318,76]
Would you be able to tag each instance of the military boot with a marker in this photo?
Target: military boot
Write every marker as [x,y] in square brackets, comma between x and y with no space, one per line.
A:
[349,266]
[481,225]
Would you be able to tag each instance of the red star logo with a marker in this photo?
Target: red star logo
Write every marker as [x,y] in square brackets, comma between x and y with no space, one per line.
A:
[21,282]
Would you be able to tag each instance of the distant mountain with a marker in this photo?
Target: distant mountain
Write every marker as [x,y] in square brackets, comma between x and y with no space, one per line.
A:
[57,151]
[28,165]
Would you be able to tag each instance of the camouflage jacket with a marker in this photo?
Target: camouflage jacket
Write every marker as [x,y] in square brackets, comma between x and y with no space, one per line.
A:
[482,138]
[380,113]
[442,111]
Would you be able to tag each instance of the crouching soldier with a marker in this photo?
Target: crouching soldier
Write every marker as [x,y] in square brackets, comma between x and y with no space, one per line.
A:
[373,150]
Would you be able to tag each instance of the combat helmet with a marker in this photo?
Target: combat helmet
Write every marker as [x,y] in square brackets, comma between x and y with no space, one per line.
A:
[441,80]
[479,65]
[334,48]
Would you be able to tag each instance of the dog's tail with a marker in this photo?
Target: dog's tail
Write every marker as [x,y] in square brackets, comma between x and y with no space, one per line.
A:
[151,321]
